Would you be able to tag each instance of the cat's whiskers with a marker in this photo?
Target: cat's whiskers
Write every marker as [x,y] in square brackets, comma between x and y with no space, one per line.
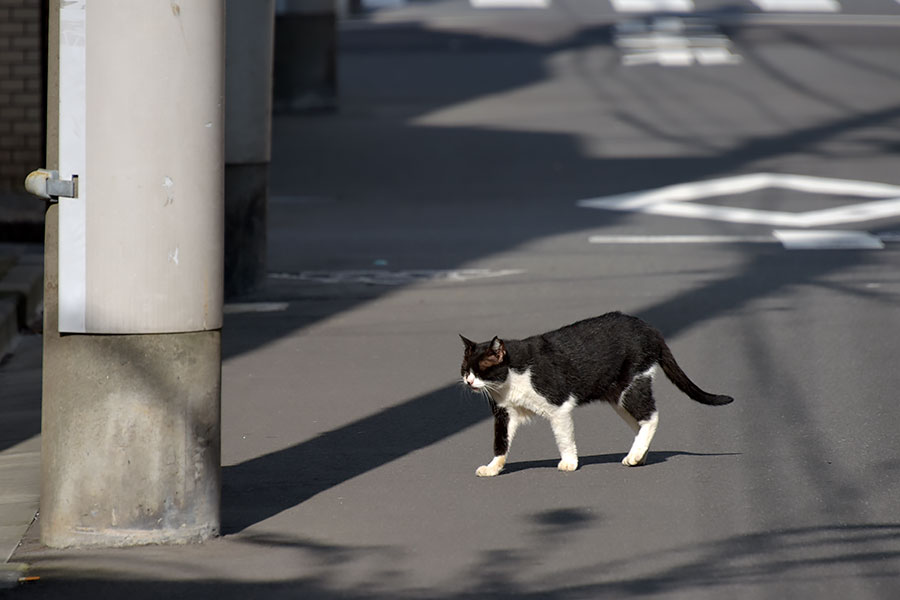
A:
[492,390]
[462,391]
[487,390]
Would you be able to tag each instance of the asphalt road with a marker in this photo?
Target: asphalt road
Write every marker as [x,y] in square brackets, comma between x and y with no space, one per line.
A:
[453,172]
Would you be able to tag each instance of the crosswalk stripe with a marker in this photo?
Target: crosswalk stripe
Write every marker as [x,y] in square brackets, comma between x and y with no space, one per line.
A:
[510,3]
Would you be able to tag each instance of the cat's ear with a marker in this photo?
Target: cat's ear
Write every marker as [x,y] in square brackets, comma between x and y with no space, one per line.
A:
[498,348]
[470,345]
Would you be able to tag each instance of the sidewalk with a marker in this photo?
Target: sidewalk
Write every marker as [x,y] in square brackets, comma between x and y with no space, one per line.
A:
[21,287]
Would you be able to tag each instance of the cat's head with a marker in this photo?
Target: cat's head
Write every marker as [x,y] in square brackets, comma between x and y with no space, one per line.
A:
[484,365]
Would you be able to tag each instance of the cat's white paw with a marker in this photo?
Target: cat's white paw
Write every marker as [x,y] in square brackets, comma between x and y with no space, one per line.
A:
[634,461]
[487,471]
[568,464]
[493,468]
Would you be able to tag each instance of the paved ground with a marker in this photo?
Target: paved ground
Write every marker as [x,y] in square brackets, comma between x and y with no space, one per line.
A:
[442,199]
[21,278]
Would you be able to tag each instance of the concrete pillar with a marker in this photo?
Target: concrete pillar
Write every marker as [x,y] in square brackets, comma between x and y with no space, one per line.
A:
[130,432]
[248,126]
[131,392]
[305,55]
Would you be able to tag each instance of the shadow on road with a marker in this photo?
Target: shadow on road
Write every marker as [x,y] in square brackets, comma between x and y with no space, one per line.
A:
[654,458]
[771,563]
[390,185]
[414,191]
[265,486]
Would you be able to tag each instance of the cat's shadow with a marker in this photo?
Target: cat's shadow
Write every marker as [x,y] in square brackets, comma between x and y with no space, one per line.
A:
[603,459]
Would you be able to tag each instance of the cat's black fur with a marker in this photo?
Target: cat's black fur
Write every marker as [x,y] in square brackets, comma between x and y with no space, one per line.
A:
[609,358]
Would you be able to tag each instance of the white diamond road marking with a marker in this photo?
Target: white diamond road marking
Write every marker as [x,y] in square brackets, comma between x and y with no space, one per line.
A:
[379,277]
[789,239]
[676,200]
[798,5]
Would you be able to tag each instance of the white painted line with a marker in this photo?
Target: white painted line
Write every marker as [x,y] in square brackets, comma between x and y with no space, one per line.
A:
[716,56]
[798,5]
[653,6]
[676,51]
[675,200]
[510,3]
[682,239]
[381,277]
[233,308]
[828,240]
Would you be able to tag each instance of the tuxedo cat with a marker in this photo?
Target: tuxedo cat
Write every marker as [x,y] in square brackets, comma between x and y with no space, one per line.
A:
[612,358]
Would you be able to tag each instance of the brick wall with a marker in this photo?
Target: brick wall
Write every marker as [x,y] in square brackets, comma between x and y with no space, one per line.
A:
[22,60]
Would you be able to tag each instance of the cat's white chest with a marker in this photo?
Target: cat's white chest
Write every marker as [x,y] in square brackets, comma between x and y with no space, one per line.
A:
[519,392]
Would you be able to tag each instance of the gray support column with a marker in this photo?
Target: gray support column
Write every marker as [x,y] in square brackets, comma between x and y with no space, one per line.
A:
[306,56]
[131,423]
[130,432]
[248,126]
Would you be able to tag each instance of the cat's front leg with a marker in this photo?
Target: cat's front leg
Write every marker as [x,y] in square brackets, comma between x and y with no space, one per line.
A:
[564,432]
[503,432]
[492,468]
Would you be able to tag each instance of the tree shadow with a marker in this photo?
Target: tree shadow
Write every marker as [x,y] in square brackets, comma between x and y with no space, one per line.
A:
[378,140]
[774,561]
[862,557]
[415,184]
[390,153]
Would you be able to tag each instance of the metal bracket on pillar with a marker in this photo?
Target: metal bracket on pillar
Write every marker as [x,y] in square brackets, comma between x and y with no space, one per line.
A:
[46,184]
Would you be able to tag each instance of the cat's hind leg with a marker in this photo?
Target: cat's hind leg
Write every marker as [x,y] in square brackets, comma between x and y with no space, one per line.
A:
[641,446]
[626,416]
[638,408]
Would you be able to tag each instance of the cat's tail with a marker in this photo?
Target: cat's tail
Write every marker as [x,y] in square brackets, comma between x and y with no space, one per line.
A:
[683,382]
